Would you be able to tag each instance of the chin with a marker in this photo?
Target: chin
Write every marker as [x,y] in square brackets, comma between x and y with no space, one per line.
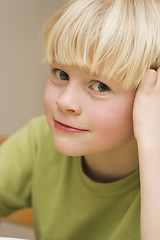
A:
[69,152]
[67,149]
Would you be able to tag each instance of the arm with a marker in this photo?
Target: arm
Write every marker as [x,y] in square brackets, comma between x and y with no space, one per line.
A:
[146,119]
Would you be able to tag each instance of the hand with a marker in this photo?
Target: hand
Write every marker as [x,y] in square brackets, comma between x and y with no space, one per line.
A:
[146,121]
[146,109]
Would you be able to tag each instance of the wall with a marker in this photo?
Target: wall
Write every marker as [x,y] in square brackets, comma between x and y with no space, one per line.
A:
[22,74]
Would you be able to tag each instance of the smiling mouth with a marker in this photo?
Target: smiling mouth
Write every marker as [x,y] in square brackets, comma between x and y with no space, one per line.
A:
[66,128]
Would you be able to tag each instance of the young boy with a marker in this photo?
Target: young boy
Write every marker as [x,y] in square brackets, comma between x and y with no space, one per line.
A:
[80,174]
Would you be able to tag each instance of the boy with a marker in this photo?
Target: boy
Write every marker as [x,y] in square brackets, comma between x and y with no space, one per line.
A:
[80,174]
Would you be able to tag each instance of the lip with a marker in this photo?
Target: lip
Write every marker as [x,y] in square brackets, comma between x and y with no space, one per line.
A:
[66,128]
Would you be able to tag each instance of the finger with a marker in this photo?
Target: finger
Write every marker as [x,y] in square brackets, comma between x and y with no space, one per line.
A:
[149,80]
[158,78]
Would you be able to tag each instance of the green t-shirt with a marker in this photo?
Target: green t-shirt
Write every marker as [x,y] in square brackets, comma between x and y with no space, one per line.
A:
[67,205]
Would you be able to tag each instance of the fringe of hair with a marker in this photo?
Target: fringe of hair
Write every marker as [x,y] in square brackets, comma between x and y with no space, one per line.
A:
[119,39]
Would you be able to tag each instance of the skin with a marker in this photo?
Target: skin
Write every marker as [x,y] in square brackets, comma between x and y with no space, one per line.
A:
[146,119]
[106,117]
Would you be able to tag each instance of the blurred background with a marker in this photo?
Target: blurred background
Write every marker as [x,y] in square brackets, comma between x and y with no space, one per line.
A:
[23,76]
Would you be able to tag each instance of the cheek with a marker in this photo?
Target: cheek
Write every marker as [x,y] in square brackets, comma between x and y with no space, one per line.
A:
[49,94]
[115,120]
[49,103]
[48,100]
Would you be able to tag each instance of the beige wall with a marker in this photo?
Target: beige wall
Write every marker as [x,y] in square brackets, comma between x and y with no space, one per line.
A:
[22,74]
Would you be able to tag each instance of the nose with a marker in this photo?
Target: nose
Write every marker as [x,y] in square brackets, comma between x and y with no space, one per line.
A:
[69,100]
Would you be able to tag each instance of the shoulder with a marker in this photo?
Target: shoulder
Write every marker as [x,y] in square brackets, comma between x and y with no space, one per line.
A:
[29,137]
[40,132]
[36,131]
[39,125]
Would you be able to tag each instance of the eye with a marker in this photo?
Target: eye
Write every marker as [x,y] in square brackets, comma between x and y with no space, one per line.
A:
[61,74]
[100,87]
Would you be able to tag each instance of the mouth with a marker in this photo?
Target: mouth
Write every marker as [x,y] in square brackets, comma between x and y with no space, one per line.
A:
[66,128]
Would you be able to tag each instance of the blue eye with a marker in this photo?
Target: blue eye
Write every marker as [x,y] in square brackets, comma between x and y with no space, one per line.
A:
[61,74]
[100,87]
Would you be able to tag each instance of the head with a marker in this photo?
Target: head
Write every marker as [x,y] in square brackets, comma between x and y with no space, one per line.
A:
[119,38]
[113,42]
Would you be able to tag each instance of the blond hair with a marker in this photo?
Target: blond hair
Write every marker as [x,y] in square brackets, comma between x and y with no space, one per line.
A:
[117,38]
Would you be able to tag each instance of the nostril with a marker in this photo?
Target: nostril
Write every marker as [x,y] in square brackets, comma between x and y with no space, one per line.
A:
[68,106]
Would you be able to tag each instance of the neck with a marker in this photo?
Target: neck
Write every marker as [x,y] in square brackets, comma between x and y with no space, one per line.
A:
[112,165]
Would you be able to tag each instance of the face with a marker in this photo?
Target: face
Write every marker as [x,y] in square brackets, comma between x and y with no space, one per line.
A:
[87,114]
